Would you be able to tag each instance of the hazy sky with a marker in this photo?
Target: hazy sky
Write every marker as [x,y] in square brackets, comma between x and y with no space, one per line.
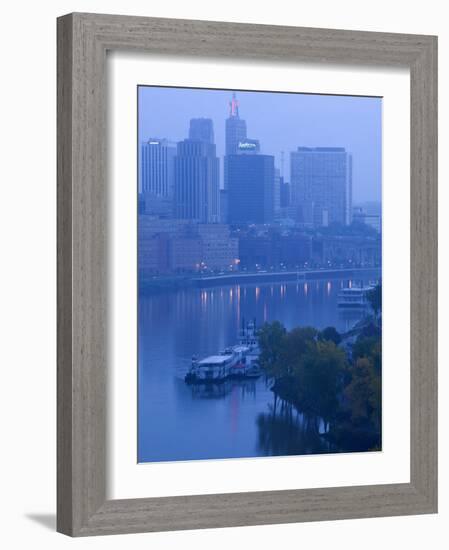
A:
[281,121]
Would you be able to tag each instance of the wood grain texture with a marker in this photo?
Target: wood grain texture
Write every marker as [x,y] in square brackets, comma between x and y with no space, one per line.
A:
[64,277]
[83,40]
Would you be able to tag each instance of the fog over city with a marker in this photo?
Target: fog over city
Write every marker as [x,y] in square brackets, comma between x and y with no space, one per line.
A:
[280,121]
[259,274]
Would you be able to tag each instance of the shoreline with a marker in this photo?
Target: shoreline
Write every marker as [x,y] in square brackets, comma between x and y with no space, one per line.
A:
[177,282]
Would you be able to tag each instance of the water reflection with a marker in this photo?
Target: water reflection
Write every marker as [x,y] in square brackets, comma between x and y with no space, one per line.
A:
[216,391]
[286,432]
[180,422]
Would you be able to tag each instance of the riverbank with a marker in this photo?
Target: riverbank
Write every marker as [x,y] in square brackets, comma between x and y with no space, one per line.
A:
[161,284]
[331,378]
[236,419]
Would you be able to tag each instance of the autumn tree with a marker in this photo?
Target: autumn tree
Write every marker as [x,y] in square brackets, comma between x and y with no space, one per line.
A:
[364,393]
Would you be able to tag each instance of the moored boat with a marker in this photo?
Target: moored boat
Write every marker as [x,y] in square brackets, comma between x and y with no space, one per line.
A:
[239,361]
[354,297]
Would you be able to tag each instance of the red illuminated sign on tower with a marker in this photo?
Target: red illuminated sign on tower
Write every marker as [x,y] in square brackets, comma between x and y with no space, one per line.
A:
[234,106]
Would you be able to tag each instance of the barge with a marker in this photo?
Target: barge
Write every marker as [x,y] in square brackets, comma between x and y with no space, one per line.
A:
[235,362]
[355,297]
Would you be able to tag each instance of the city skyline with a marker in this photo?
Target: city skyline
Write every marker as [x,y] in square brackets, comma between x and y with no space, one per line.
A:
[289,121]
[312,212]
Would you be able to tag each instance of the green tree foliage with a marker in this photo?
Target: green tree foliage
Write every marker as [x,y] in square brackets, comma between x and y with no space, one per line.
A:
[308,370]
[319,379]
[271,342]
[364,393]
[330,334]
[297,343]
[320,376]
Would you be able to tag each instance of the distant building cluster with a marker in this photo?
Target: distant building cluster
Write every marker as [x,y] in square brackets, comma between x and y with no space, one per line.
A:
[179,246]
[368,215]
[189,222]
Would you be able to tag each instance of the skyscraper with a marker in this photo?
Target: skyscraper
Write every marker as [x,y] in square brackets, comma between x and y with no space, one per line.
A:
[156,185]
[235,132]
[249,176]
[250,188]
[201,129]
[321,185]
[197,187]
[235,127]
[157,167]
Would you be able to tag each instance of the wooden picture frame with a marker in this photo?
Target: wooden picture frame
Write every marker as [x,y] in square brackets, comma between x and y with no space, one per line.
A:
[83,40]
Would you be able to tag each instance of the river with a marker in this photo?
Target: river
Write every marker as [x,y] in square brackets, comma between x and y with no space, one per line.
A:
[235,419]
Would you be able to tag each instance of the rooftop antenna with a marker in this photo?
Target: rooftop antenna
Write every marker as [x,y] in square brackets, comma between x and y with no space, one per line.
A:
[234,106]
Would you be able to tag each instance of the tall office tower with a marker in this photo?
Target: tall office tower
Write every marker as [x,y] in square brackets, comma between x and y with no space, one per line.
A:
[321,185]
[197,182]
[235,128]
[235,133]
[156,184]
[157,167]
[201,129]
[250,188]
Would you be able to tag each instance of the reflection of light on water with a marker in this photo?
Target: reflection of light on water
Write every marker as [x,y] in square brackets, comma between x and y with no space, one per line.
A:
[231,293]
[238,305]
[173,327]
[257,293]
[322,426]
[328,287]
[350,283]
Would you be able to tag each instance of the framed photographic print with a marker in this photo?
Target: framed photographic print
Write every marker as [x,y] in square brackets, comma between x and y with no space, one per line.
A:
[247,279]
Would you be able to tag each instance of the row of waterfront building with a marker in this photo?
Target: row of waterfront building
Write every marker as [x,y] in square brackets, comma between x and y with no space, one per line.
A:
[179,246]
[182,180]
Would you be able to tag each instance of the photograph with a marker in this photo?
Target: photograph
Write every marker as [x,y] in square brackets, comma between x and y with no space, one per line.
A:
[259,274]
[220,288]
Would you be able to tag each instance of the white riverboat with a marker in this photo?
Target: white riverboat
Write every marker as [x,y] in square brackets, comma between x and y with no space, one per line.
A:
[239,361]
[355,297]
